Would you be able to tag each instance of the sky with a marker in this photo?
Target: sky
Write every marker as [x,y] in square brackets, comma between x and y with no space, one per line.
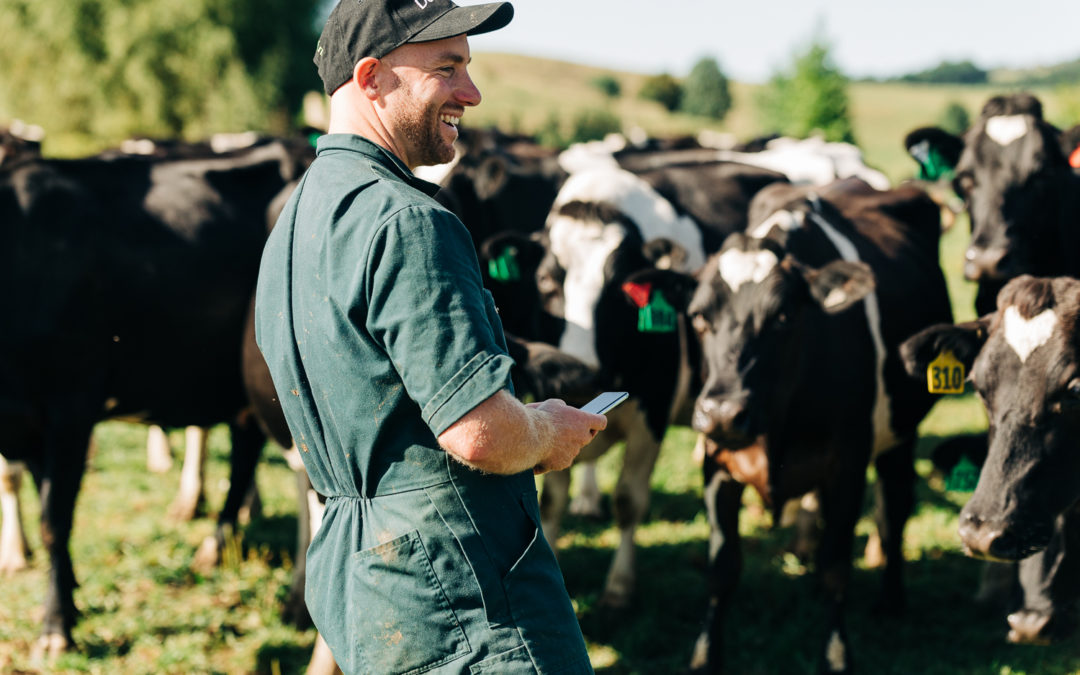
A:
[752,39]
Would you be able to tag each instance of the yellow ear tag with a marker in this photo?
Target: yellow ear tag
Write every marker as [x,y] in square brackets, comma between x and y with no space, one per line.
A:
[945,375]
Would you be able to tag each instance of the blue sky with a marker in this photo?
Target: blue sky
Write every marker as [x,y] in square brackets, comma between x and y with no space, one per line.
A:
[751,39]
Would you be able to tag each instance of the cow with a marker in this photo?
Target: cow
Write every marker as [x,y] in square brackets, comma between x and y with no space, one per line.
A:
[1012,169]
[1023,360]
[798,320]
[604,226]
[133,277]
[20,141]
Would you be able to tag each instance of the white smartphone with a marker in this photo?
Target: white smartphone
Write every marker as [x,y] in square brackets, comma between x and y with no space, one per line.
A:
[605,402]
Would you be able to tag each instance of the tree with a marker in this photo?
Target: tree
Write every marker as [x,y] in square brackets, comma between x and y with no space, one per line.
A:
[705,91]
[664,89]
[593,124]
[113,68]
[809,98]
[950,72]
[607,85]
[955,118]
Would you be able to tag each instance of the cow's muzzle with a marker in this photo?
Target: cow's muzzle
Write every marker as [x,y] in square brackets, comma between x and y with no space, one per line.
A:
[993,540]
[988,264]
[725,421]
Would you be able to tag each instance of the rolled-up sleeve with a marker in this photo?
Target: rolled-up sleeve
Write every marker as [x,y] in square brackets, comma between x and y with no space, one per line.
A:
[426,306]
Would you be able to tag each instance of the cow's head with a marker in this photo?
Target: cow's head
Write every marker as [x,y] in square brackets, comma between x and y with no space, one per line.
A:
[1008,168]
[1024,362]
[752,309]
[593,247]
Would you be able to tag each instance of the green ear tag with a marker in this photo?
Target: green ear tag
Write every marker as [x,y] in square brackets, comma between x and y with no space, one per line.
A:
[934,166]
[945,375]
[657,316]
[504,267]
[963,477]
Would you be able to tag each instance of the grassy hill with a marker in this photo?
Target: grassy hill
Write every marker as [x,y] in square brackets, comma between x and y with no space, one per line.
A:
[522,93]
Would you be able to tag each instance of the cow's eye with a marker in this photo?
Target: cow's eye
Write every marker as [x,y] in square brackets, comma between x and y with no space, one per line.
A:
[1074,389]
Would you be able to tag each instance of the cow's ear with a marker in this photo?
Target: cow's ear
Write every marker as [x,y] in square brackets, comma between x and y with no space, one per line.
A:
[1070,146]
[490,177]
[964,340]
[936,150]
[839,285]
[677,287]
[666,254]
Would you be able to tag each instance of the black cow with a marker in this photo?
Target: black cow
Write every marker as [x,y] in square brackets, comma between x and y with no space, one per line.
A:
[130,279]
[1012,169]
[802,383]
[1023,360]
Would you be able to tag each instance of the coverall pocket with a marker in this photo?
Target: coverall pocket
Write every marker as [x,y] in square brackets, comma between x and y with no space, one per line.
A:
[404,624]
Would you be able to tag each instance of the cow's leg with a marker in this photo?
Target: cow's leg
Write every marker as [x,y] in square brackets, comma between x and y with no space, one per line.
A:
[587,501]
[1050,580]
[308,518]
[841,504]
[630,505]
[158,452]
[191,498]
[14,549]
[723,496]
[247,442]
[554,496]
[895,498]
[58,475]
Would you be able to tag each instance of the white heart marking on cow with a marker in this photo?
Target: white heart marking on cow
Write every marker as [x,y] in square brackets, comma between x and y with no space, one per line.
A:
[1027,335]
[1004,129]
[738,267]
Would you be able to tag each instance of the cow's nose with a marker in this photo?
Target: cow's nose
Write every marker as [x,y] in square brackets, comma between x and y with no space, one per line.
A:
[985,263]
[985,540]
[733,417]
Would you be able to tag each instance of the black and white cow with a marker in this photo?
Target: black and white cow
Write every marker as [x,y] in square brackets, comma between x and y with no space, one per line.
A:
[604,226]
[1024,360]
[131,279]
[1012,168]
[798,320]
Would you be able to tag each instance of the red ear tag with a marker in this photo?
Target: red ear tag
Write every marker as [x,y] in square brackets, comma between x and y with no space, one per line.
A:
[1074,158]
[639,293]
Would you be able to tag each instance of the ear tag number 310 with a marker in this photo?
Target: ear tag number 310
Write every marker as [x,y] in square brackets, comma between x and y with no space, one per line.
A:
[945,375]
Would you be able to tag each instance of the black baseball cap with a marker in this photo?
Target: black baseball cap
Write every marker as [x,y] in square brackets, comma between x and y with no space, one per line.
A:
[360,28]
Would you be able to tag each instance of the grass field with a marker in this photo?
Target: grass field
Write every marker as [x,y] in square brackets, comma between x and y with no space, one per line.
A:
[144,611]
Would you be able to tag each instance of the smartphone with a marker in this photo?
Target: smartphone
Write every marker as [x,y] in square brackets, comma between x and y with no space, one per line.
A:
[605,402]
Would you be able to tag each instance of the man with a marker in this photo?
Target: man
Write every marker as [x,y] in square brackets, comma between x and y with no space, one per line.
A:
[390,363]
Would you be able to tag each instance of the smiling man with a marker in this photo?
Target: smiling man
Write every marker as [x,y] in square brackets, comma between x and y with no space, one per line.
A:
[390,364]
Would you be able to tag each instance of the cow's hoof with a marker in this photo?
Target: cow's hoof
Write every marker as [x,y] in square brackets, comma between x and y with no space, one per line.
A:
[13,562]
[49,647]
[184,510]
[208,556]
[1028,627]
[588,508]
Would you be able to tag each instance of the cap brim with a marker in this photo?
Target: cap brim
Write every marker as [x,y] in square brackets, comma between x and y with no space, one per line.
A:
[471,20]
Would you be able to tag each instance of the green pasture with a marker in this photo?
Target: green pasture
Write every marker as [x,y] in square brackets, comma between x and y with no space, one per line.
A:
[144,611]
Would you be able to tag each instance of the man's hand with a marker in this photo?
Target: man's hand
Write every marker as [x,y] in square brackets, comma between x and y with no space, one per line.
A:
[503,436]
[573,431]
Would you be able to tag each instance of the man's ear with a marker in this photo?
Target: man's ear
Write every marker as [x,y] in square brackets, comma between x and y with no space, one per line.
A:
[364,76]
[839,285]
[964,340]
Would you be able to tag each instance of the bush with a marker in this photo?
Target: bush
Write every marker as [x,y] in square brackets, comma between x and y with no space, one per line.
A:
[593,124]
[706,92]
[664,89]
[955,119]
[607,85]
[810,98]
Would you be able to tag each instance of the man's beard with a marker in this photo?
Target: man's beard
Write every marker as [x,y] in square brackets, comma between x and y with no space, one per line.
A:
[422,131]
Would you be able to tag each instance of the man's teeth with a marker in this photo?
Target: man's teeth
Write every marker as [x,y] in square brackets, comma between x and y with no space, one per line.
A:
[454,121]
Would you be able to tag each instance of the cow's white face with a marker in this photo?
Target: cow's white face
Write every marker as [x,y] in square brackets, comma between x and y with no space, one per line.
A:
[582,248]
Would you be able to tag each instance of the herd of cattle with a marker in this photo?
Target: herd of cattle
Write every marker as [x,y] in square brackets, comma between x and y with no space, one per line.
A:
[781,298]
